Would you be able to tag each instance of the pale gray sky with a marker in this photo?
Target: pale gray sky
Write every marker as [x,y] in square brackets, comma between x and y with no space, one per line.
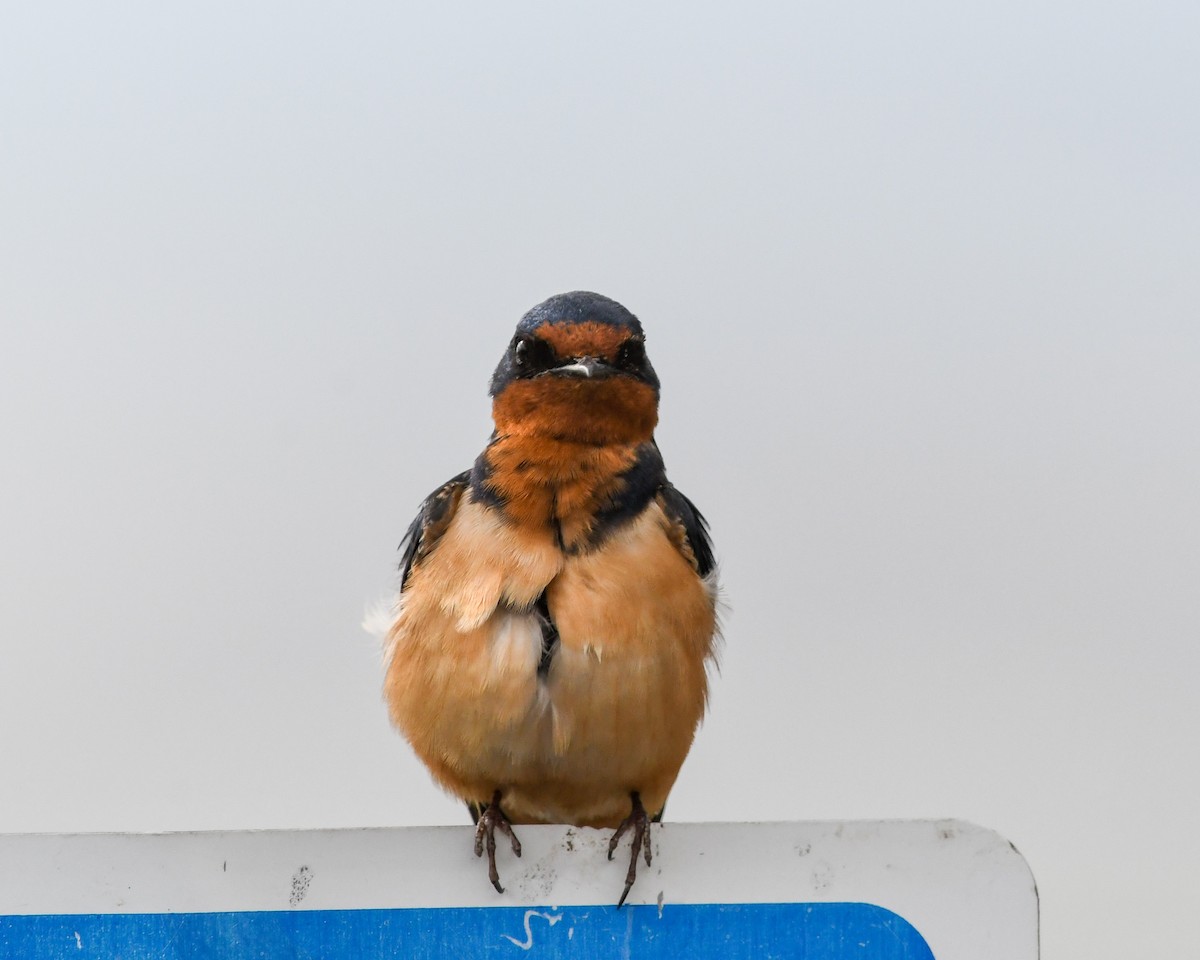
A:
[920,282]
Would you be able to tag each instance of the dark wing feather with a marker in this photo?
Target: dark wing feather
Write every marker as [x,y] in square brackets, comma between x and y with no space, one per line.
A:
[431,521]
[694,527]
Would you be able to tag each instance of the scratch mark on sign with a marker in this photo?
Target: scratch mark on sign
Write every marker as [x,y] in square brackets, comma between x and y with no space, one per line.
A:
[300,881]
[550,918]
[78,941]
[822,876]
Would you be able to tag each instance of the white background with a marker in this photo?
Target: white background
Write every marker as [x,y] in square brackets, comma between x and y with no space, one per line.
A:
[920,282]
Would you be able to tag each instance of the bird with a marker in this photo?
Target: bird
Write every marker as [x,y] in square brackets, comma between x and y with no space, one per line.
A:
[556,623]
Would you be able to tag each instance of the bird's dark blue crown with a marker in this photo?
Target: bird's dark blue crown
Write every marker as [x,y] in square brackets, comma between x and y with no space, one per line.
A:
[579,306]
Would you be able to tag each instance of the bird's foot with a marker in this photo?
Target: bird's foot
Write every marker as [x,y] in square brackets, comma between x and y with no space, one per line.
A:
[639,823]
[491,819]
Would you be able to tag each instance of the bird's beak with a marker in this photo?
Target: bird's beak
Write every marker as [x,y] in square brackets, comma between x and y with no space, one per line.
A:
[583,368]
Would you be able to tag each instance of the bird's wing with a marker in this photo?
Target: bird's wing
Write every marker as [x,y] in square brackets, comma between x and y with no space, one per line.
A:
[691,527]
[431,522]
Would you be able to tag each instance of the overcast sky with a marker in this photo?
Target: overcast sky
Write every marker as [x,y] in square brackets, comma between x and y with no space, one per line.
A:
[920,281]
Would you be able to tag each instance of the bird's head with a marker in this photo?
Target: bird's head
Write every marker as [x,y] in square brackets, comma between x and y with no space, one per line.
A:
[576,370]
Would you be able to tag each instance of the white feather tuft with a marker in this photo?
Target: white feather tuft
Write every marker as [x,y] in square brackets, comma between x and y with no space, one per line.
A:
[379,616]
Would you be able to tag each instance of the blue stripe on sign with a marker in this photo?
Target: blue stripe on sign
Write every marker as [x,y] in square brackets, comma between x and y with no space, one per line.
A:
[811,931]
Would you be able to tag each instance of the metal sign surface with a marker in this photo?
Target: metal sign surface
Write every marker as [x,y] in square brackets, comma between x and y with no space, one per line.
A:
[819,891]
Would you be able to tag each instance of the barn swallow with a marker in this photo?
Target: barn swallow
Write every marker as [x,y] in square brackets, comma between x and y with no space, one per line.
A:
[557,612]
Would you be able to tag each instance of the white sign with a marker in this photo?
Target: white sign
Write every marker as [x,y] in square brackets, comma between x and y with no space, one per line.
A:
[822,891]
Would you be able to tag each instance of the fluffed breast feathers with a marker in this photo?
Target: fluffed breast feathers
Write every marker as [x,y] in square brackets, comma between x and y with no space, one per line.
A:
[617,700]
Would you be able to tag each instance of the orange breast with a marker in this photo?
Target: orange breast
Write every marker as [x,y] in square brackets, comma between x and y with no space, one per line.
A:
[624,693]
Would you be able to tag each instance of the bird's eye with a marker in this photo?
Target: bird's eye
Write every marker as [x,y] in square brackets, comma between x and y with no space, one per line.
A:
[631,355]
[532,355]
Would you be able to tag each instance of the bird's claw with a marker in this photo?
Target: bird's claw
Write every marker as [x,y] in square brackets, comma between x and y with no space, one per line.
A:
[491,819]
[639,823]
